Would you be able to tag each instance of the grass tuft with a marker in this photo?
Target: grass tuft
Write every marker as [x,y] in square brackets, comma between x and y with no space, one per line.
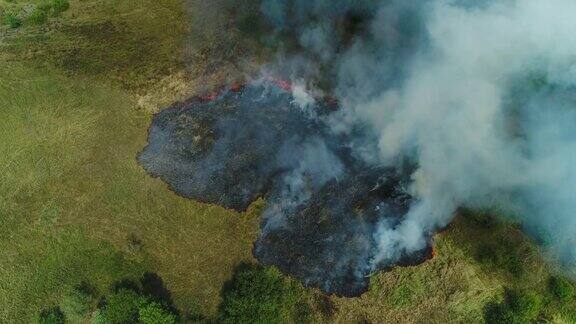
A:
[12,20]
[39,15]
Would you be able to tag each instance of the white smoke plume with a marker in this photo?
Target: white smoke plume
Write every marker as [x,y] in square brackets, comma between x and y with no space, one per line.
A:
[481,97]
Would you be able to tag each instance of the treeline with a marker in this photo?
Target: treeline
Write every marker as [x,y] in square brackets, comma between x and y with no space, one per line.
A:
[254,294]
[144,301]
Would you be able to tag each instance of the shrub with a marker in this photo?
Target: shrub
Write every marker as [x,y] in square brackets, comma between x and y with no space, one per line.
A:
[51,316]
[59,6]
[561,288]
[122,307]
[154,313]
[134,304]
[261,295]
[76,304]
[12,20]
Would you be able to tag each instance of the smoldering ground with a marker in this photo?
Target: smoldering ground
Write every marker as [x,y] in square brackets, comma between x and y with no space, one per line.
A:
[477,94]
[465,104]
[323,202]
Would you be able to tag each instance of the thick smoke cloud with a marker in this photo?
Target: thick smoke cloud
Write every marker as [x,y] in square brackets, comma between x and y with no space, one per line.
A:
[478,95]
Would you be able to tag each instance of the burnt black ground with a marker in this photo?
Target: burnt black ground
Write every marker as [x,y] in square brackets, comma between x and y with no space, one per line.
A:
[323,203]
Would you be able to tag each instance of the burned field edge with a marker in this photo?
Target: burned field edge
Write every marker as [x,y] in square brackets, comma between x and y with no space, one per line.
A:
[232,147]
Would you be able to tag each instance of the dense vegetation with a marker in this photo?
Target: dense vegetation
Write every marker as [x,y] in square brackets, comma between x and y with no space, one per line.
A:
[76,208]
[146,301]
[262,295]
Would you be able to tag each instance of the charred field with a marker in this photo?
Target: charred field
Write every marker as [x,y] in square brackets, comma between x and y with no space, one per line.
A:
[323,204]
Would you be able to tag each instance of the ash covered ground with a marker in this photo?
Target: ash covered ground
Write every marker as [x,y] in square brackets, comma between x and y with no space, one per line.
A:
[323,204]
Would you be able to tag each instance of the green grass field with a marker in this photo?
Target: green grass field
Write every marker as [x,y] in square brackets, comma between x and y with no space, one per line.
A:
[75,206]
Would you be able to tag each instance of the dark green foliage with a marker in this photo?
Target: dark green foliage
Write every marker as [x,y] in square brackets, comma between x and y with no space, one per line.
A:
[518,307]
[12,20]
[76,304]
[144,301]
[59,6]
[51,316]
[155,313]
[129,306]
[262,295]
[561,288]
[122,306]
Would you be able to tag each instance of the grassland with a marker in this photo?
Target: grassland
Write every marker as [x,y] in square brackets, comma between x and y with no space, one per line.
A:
[73,201]
[75,206]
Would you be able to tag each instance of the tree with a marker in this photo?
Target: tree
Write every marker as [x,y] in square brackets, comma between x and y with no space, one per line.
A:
[122,307]
[133,303]
[155,313]
[262,295]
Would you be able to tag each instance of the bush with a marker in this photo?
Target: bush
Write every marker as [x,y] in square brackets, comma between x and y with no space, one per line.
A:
[130,305]
[76,304]
[51,316]
[59,6]
[12,20]
[122,307]
[154,313]
[261,295]
[561,288]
